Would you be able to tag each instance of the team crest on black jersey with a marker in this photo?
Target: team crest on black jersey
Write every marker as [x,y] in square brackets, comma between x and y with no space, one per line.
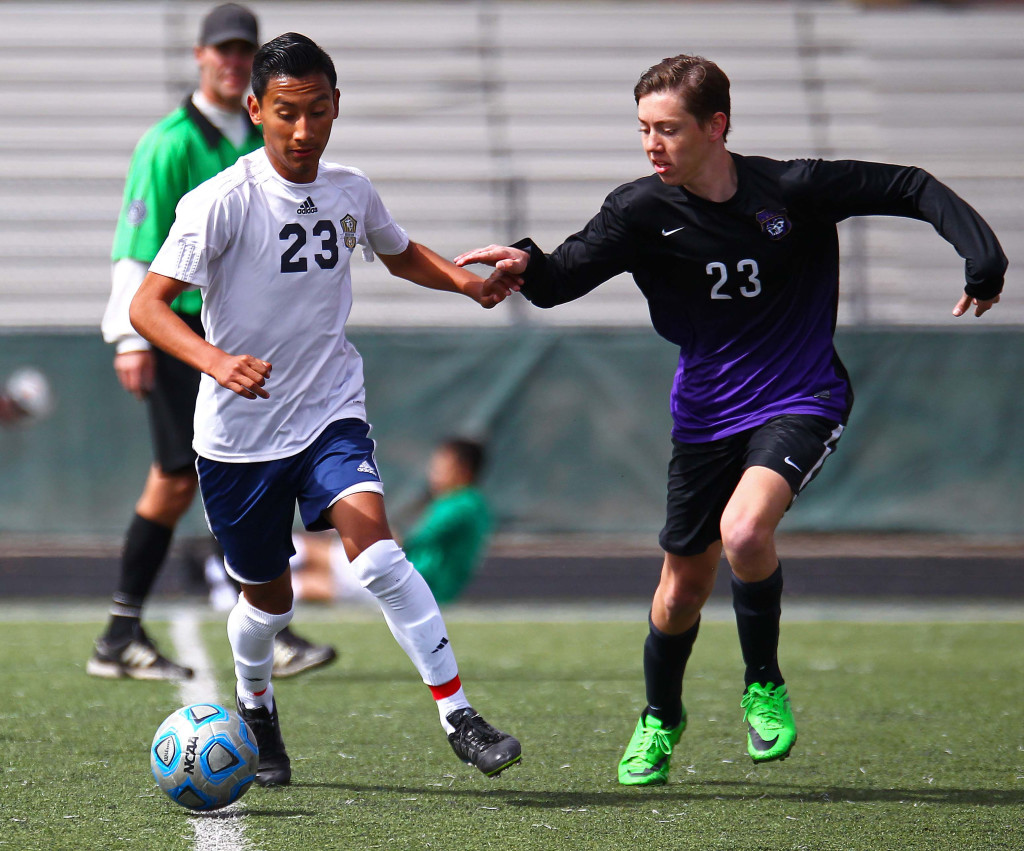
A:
[348,227]
[775,223]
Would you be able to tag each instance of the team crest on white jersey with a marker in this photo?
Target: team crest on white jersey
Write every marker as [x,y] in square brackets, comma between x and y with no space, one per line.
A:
[348,226]
[775,223]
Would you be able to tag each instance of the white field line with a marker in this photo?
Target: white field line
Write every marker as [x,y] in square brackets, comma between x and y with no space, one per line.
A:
[221,830]
[836,609]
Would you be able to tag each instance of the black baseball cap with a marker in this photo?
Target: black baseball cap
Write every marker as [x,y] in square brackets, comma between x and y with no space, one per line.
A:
[229,22]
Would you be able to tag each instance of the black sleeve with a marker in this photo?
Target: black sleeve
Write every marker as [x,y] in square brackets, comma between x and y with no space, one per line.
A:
[848,188]
[586,259]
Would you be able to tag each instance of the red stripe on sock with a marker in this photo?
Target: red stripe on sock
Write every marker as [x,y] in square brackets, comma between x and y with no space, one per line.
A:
[446,689]
[260,693]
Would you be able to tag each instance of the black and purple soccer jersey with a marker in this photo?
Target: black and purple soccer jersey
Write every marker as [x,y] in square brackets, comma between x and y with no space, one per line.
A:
[748,288]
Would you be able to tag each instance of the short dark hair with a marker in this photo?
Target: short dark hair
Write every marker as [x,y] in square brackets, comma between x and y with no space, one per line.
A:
[469,453]
[290,55]
[701,84]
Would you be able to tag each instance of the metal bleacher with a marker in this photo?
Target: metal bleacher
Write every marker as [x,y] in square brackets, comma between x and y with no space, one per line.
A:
[485,121]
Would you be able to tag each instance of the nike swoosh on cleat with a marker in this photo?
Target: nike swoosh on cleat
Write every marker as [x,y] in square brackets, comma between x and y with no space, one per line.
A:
[654,769]
[759,743]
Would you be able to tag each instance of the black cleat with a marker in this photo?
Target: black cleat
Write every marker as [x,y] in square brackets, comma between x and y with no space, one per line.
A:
[477,743]
[275,769]
[135,659]
[293,654]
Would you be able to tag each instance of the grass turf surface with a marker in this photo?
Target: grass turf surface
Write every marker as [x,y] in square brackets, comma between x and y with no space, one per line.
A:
[911,736]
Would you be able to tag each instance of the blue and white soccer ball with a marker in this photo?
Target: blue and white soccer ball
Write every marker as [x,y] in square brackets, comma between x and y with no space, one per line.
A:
[204,756]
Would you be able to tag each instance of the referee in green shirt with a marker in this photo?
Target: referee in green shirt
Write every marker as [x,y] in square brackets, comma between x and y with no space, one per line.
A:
[207,133]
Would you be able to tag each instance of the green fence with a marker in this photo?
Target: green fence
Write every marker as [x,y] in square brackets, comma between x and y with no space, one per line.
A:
[577,426]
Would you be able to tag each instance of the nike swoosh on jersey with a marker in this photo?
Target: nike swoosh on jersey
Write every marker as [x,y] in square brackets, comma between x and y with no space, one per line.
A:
[670,232]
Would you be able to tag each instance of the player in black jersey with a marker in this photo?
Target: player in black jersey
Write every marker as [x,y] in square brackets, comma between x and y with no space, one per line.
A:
[738,258]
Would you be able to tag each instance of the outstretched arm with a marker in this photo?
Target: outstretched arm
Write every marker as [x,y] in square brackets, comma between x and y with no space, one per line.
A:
[850,188]
[152,317]
[502,257]
[585,260]
[424,267]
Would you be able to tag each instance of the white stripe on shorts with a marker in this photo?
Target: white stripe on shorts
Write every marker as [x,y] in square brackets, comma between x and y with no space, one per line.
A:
[358,487]
[837,432]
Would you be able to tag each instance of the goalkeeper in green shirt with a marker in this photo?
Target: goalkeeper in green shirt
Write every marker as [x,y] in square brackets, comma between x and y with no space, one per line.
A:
[207,133]
[447,543]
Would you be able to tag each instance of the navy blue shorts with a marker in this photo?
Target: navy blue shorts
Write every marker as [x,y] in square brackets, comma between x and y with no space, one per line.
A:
[703,476]
[250,507]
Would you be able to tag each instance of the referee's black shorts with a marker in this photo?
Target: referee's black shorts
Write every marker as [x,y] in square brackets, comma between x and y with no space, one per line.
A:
[703,476]
[172,406]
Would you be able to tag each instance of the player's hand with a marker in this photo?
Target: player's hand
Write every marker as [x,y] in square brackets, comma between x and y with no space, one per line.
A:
[135,371]
[242,374]
[498,287]
[501,257]
[981,305]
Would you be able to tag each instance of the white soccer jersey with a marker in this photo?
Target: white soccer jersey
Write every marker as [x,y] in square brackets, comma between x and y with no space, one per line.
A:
[272,261]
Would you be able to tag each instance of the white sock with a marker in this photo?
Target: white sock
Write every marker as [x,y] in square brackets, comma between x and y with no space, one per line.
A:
[251,633]
[252,700]
[298,561]
[409,608]
[223,595]
[447,705]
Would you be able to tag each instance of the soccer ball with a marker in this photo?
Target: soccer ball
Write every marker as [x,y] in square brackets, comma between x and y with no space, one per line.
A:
[30,390]
[204,756]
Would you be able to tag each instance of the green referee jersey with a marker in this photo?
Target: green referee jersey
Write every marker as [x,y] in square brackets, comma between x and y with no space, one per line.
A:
[448,542]
[173,157]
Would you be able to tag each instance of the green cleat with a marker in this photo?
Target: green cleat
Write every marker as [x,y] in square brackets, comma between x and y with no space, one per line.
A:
[646,760]
[771,730]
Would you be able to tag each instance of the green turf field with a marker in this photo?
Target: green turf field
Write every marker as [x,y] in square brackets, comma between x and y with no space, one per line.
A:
[911,737]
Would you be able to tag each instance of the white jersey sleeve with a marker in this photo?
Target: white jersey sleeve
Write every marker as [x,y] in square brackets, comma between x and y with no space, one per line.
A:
[126,277]
[383,234]
[205,221]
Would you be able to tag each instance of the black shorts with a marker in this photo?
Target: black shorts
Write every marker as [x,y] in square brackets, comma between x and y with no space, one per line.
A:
[172,407]
[703,476]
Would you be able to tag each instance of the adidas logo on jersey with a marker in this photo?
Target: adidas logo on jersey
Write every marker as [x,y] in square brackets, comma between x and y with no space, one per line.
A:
[366,467]
[306,207]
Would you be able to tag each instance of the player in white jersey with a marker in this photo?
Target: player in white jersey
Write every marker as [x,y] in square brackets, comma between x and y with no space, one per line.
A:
[268,242]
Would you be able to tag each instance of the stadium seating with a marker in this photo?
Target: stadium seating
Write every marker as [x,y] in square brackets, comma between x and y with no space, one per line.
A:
[483,122]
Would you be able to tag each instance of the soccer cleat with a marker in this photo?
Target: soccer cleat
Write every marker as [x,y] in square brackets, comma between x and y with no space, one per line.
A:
[647,756]
[771,729]
[293,654]
[477,743]
[136,659]
[275,769]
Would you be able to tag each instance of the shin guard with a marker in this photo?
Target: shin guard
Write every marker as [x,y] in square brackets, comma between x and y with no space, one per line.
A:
[409,608]
[251,633]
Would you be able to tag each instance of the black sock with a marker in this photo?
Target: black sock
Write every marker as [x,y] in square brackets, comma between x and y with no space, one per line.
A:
[145,549]
[758,607]
[665,658]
